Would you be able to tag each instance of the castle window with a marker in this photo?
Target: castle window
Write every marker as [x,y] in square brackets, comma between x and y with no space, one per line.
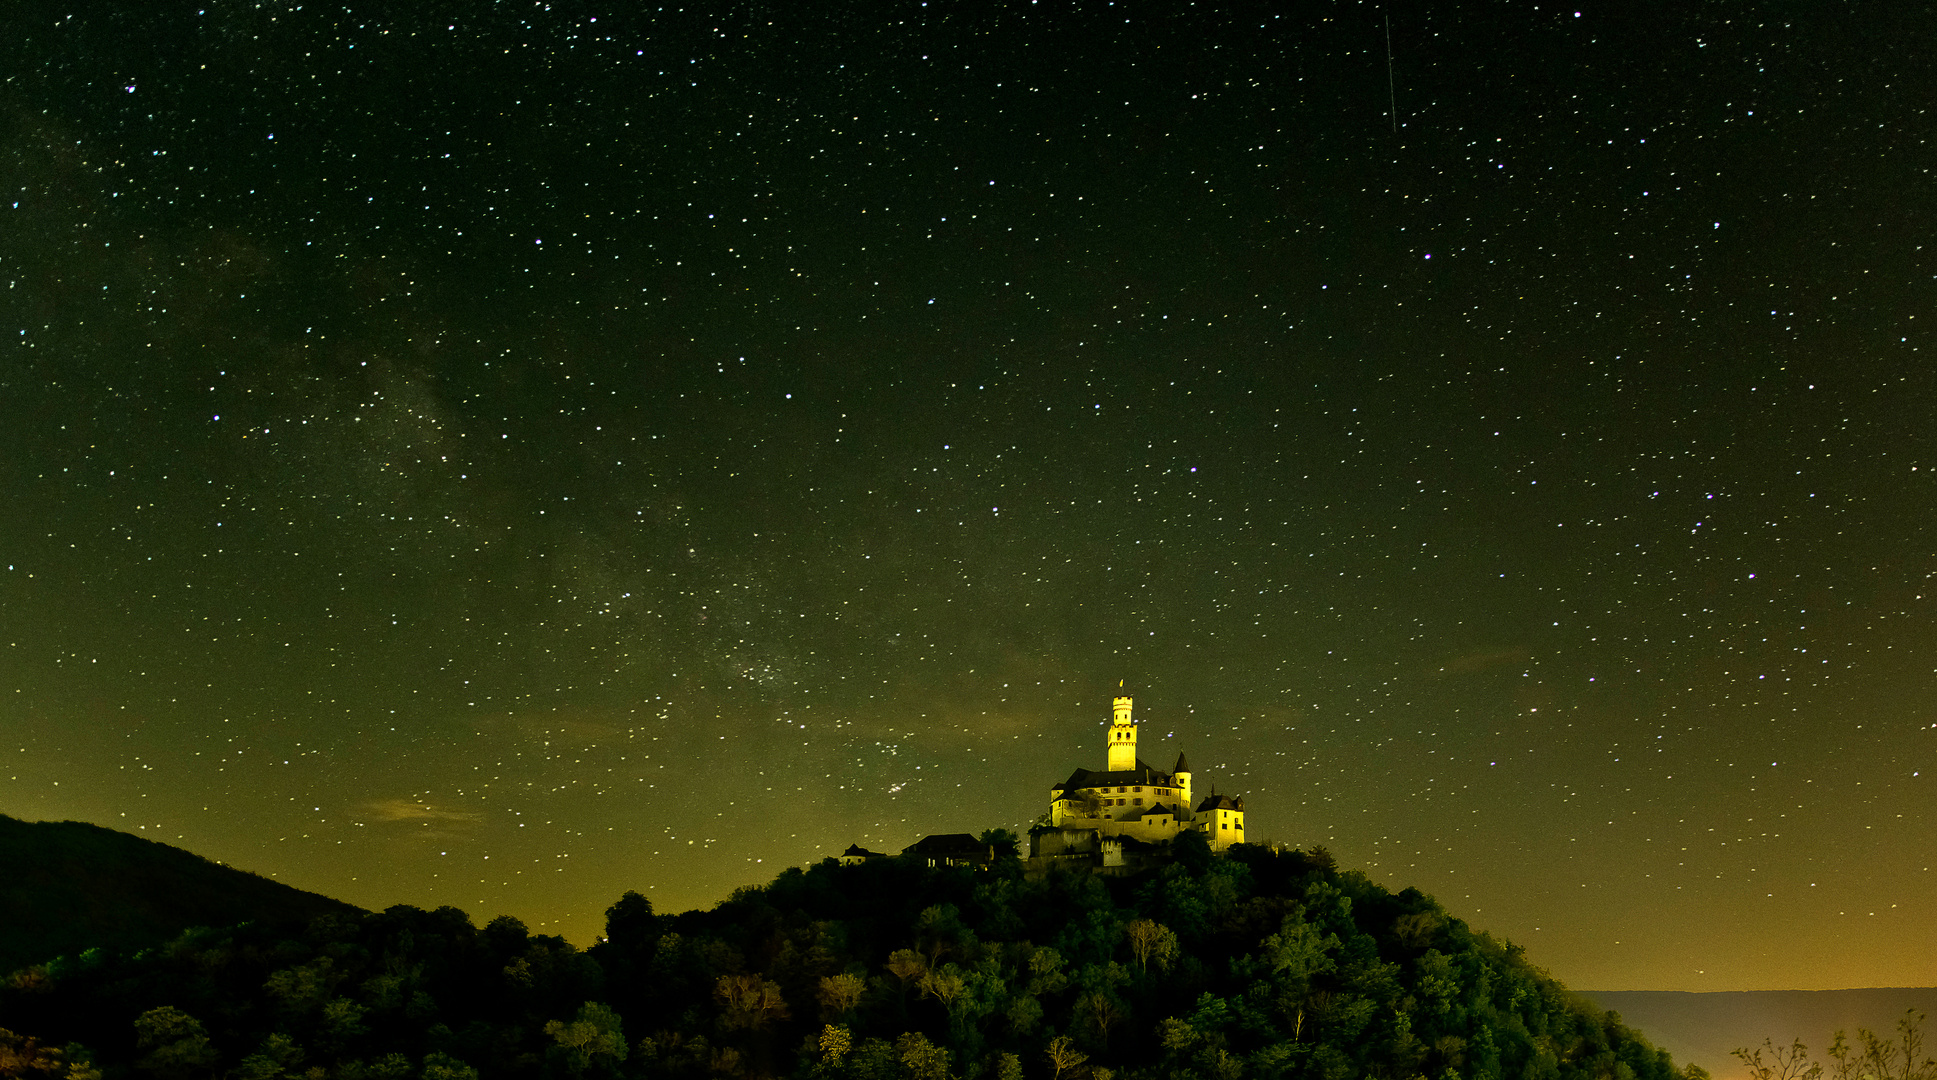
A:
[1119,791]
[1139,790]
[1138,802]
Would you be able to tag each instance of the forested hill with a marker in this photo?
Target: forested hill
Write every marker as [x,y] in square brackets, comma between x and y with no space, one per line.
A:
[1258,965]
[69,886]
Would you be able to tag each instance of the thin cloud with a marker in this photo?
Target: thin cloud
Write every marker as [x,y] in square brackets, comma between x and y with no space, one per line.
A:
[416,810]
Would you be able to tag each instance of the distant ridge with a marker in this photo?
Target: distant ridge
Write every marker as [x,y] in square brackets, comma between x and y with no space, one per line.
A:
[1705,1027]
[69,886]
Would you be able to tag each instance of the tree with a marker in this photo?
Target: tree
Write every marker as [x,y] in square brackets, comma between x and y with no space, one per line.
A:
[924,1060]
[1870,1057]
[1901,1059]
[1192,850]
[1299,951]
[749,1001]
[630,924]
[394,1067]
[1150,940]
[906,965]
[22,1057]
[173,1044]
[835,1042]
[839,994]
[944,985]
[1101,1009]
[505,936]
[1772,1062]
[302,989]
[1063,1055]
[446,1067]
[1046,975]
[278,1057]
[594,1037]
[1417,930]
[939,929]
[342,1024]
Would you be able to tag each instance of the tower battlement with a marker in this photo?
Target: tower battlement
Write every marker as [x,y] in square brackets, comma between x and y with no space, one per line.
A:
[1123,737]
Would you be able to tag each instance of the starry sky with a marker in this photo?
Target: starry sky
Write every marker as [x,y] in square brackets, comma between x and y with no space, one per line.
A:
[504,454]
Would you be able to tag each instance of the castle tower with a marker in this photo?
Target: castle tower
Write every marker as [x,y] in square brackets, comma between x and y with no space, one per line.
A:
[1182,775]
[1123,737]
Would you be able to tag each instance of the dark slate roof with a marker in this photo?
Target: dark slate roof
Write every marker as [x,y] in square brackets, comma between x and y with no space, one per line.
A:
[1160,808]
[1220,802]
[1142,775]
[957,844]
[1182,765]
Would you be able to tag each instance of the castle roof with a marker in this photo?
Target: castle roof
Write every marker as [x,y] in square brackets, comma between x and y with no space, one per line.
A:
[1160,808]
[1182,765]
[1143,774]
[1221,802]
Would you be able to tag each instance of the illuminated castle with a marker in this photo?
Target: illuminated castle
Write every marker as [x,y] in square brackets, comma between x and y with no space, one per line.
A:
[1093,813]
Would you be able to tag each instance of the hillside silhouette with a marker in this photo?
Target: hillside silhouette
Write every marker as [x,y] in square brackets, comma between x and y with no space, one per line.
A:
[70,886]
[1262,964]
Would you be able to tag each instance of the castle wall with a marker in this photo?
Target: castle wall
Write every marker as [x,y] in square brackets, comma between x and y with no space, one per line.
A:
[1225,827]
[1125,809]
[1115,803]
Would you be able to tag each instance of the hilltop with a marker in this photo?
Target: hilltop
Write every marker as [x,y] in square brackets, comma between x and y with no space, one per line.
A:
[1256,964]
[71,886]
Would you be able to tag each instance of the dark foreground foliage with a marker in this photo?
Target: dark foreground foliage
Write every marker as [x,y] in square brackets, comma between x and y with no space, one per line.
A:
[1259,965]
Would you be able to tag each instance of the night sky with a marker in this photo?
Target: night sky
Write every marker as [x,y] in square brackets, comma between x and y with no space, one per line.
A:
[505,454]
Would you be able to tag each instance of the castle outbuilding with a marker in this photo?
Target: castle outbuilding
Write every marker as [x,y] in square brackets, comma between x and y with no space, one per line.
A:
[1098,814]
[855,855]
